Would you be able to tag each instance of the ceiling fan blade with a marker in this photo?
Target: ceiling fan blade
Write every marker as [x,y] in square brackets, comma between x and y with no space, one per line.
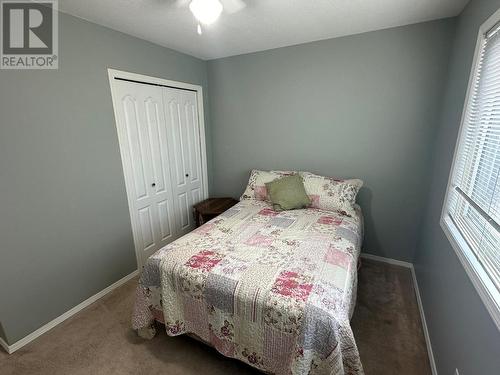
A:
[233,6]
[181,3]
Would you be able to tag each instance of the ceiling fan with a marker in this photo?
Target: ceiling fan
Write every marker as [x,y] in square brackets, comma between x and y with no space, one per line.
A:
[206,12]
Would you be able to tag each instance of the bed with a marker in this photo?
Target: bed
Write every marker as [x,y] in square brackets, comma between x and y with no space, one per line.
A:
[273,289]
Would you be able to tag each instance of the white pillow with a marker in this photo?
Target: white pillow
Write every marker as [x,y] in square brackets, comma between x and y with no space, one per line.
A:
[332,194]
[256,187]
[326,193]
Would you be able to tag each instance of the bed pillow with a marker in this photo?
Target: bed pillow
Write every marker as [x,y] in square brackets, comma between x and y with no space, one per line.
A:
[332,194]
[287,193]
[256,187]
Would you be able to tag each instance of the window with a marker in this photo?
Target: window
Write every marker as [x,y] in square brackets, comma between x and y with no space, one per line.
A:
[471,213]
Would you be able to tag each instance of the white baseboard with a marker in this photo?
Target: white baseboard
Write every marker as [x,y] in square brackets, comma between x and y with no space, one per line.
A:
[387,260]
[424,322]
[40,331]
[419,301]
[4,345]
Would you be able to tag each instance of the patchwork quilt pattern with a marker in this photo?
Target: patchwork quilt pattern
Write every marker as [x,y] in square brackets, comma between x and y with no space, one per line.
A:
[273,289]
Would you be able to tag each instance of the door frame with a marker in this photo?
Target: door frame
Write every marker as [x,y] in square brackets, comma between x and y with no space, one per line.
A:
[114,73]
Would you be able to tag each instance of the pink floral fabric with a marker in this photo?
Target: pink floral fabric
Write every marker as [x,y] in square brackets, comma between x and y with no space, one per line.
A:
[256,187]
[273,289]
[204,260]
[293,284]
[332,194]
[326,193]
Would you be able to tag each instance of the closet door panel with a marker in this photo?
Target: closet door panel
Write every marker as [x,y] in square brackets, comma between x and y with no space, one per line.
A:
[146,222]
[165,213]
[196,195]
[192,145]
[136,154]
[160,143]
[185,218]
[182,112]
[160,166]
[143,139]
[193,137]
[159,162]
[175,128]
[175,120]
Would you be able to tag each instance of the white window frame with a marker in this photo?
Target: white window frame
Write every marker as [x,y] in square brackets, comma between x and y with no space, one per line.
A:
[487,290]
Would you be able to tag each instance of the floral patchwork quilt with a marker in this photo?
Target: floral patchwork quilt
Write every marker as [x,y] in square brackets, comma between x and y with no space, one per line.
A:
[273,289]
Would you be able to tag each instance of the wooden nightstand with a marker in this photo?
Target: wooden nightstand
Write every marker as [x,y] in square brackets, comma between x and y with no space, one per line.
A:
[210,208]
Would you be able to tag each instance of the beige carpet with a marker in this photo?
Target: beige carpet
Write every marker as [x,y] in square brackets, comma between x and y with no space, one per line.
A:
[99,340]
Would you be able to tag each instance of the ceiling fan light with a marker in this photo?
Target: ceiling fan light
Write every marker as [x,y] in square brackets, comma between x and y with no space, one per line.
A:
[206,11]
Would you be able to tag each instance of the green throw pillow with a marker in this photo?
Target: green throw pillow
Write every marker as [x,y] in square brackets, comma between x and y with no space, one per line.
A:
[288,193]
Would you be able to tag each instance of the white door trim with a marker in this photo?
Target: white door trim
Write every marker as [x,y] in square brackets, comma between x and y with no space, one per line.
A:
[114,73]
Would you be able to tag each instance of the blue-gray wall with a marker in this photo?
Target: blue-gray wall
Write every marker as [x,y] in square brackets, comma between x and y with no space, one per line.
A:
[2,333]
[359,106]
[64,225]
[463,334]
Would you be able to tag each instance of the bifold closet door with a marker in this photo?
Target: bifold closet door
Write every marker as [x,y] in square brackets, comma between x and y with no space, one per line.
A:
[181,110]
[145,148]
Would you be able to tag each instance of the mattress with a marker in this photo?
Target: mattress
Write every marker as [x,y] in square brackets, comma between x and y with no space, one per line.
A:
[273,289]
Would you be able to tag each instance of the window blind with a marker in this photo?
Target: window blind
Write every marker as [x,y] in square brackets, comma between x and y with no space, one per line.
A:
[474,197]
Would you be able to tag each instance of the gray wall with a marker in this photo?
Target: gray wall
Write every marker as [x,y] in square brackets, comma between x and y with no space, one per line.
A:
[2,333]
[359,106]
[64,224]
[463,334]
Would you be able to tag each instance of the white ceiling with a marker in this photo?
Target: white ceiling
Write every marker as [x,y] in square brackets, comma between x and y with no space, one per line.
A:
[263,24]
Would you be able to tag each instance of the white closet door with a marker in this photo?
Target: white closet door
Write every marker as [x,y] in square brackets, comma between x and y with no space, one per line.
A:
[143,137]
[181,110]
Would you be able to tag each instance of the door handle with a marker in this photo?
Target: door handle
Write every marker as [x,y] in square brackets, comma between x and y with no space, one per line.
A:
[153,184]
[187,174]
